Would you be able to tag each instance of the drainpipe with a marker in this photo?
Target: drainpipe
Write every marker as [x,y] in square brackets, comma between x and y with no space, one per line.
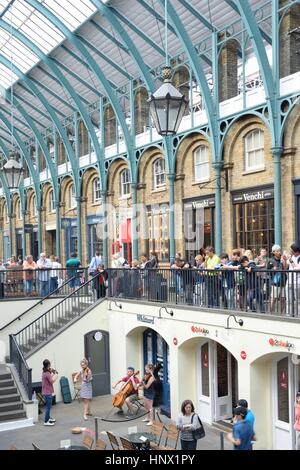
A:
[135,245]
[218,214]
[277,152]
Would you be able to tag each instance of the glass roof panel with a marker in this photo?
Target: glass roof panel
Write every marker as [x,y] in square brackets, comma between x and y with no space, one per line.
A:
[37,28]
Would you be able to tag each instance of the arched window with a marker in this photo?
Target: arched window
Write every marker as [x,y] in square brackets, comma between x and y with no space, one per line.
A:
[51,201]
[19,209]
[254,150]
[96,190]
[201,163]
[159,173]
[34,208]
[125,182]
[72,197]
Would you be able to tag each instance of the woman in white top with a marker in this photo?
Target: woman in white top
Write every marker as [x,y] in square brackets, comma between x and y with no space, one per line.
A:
[54,274]
[187,422]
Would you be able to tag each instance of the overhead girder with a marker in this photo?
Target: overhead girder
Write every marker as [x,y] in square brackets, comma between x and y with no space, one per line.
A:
[109,36]
[25,154]
[51,92]
[25,87]
[266,71]
[234,6]
[107,59]
[211,107]
[68,87]
[41,142]
[96,69]
[32,106]
[19,130]
[16,118]
[85,64]
[138,31]
[198,15]
[77,77]
[158,17]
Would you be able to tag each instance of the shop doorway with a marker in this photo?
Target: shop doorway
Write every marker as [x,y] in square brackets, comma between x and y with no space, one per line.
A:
[217,382]
[51,242]
[96,346]
[156,350]
[285,386]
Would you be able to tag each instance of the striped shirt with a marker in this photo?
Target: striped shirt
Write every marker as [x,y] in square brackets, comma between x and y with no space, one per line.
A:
[187,434]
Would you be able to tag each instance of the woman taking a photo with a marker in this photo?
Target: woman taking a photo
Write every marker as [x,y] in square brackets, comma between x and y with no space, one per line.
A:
[86,391]
[187,422]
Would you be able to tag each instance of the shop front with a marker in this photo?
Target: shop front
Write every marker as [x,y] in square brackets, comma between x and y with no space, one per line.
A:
[94,235]
[217,382]
[71,239]
[158,231]
[156,351]
[51,239]
[198,225]
[19,242]
[253,219]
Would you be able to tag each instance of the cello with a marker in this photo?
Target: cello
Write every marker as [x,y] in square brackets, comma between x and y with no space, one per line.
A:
[126,391]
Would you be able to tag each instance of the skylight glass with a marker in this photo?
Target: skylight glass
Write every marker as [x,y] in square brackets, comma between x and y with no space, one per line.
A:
[37,28]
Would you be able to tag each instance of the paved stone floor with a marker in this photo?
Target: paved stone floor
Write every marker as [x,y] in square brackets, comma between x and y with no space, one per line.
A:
[71,415]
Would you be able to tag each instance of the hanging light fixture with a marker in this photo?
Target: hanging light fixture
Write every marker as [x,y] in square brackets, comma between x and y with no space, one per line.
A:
[167,104]
[12,171]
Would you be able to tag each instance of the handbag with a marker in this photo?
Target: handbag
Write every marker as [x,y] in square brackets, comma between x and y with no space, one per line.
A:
[199,433]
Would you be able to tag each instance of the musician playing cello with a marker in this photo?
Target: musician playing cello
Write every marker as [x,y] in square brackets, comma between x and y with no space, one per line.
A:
[134,394]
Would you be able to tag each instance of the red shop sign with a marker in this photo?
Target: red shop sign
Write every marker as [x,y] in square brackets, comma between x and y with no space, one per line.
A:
[243,355]
[283,381]
[175,341]
[205,360]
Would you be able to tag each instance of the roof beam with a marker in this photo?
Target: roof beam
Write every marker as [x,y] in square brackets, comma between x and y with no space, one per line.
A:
[25,87]
[82,62]
[21,98]
[139,32]
[16,118]
[198,15]
[110,36]
[159,18]
[52,93]
[106,58]
[234,6]
[17,129]
[77,77]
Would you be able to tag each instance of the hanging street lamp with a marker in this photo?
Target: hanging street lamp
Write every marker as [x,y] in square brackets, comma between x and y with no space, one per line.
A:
[167,106]
[12,172]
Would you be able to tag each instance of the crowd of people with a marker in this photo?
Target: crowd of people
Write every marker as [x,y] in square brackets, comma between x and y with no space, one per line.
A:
[240,281]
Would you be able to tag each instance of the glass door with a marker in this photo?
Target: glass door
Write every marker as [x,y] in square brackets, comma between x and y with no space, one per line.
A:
[223,383]
[283,390]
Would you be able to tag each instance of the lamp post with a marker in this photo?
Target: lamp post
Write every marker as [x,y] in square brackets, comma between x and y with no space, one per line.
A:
[12,173]
[167,104]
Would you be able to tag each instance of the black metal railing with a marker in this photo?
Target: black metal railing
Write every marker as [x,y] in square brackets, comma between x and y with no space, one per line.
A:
[263,291]
[47,325]
[18,359]
[19,283]
[57,292]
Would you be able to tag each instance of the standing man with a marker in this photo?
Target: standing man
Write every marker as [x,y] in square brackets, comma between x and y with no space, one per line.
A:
[250,416]
[242,433]
[72,266]
[44,266]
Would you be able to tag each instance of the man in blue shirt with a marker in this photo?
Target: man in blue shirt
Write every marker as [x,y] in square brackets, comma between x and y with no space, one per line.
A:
[250,416]
[242,433]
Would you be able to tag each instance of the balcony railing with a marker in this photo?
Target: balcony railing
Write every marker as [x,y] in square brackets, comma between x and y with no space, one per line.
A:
[260,291]
[19,283]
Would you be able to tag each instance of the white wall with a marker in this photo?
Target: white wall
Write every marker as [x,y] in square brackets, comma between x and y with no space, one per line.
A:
[10,310]
[66,350]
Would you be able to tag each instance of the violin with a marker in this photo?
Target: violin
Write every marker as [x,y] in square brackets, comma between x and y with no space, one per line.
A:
[126,390]
[154,372]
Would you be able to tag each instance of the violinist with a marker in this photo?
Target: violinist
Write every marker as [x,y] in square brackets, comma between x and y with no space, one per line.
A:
[86,390]
[148,383]
[130,377]
[49,376]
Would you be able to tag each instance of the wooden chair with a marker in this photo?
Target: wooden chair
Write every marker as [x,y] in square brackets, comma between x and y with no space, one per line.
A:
[127,445]
[113,441]
[157,429]
[88,442]
[35,447]
[100,444]
[173,435]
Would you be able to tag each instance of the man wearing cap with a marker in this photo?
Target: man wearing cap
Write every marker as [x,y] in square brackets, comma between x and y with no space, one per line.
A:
[242,433]
[250,416]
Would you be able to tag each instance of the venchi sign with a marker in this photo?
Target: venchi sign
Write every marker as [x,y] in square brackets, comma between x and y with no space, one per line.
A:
[281,343]
[199,329]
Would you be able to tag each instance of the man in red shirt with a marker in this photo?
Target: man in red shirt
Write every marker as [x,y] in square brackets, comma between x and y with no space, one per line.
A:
[130,377]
